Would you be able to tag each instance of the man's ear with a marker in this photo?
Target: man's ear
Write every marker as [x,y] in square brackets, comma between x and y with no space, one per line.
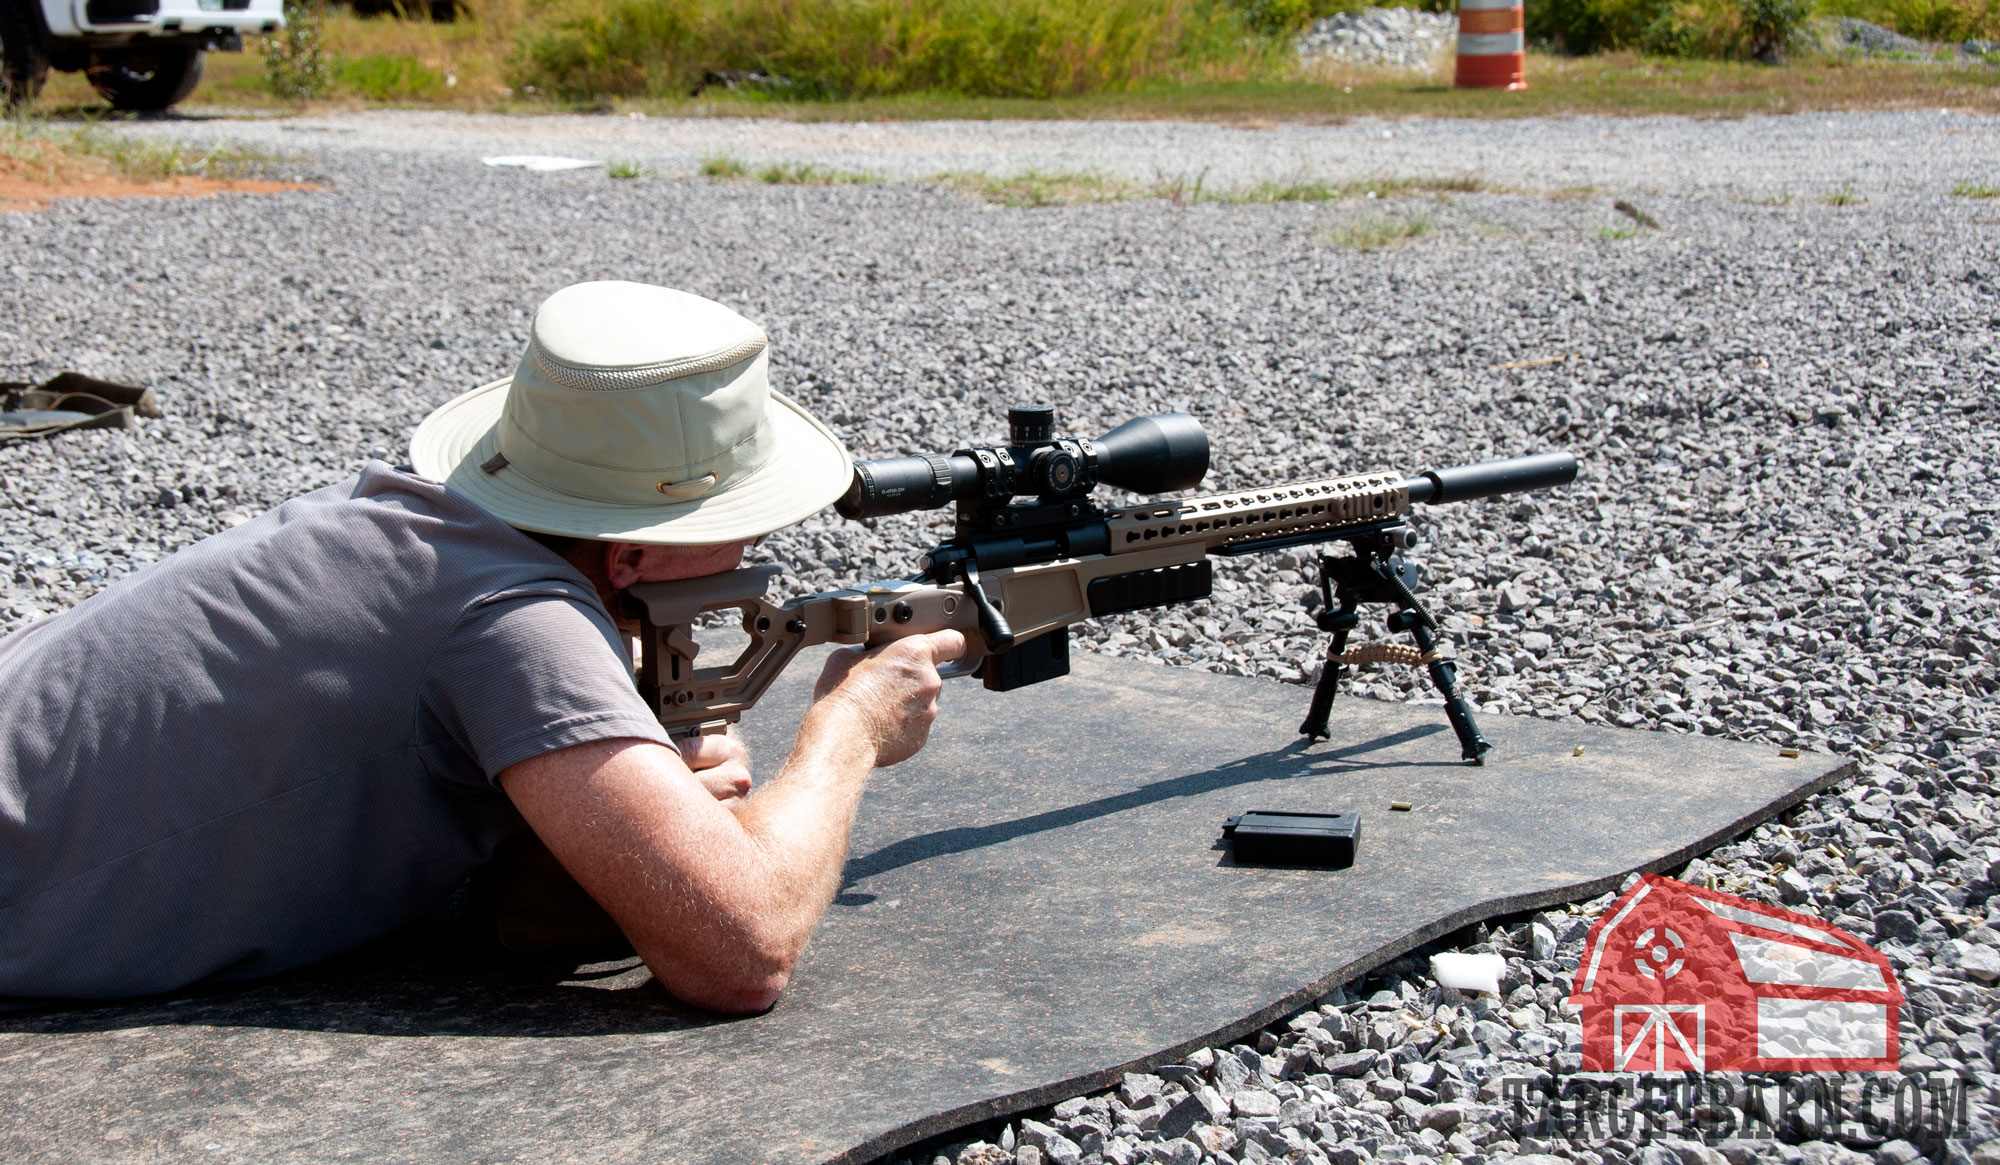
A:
[621,564]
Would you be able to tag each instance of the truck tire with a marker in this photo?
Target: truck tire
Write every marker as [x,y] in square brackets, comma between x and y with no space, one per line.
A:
[147,79]
[24,55]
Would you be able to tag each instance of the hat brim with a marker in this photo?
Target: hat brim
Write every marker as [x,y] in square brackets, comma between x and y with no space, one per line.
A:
[809,470]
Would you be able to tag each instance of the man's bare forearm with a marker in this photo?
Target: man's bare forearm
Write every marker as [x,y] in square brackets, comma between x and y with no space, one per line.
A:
[720,900]
[801,819]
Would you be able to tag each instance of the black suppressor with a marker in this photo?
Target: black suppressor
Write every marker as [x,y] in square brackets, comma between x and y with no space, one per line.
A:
[1462,483]
[1145,455]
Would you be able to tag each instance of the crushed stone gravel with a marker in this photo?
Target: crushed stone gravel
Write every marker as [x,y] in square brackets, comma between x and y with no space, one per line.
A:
[1403,38]
[1878,155]
[1787,408]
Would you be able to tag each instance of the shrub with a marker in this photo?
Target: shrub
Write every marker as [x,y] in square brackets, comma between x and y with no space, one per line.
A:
[984,48]
[1750,29]
[1279,17]
[1588,26]
[1939,20]
[294,65]
[1769,28]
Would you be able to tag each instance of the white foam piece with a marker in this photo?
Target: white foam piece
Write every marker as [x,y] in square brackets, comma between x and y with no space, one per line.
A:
[1468,972]
[541,162]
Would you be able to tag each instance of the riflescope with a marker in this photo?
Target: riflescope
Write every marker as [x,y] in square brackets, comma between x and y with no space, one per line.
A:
[1147,455]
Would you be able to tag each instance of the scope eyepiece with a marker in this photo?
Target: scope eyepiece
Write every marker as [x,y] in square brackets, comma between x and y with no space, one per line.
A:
[898,485]
[1145,455]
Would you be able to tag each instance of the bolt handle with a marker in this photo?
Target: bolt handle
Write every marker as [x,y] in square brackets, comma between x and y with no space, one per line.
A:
[992,624]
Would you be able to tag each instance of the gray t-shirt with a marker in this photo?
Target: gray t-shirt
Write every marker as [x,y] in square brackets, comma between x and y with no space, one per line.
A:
[281,742]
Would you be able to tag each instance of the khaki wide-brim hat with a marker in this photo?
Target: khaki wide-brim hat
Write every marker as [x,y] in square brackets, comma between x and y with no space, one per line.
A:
[637,414]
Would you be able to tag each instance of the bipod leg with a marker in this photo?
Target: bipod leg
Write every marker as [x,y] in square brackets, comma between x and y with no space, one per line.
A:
[1422,627]
[1339,620]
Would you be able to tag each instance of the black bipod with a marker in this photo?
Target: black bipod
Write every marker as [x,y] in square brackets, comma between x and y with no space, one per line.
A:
[1376,573]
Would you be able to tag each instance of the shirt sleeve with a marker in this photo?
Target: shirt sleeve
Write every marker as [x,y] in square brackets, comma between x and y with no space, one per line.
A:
[528,674]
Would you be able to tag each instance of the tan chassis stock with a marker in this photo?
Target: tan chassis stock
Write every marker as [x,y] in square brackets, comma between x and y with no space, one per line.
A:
[1035,599]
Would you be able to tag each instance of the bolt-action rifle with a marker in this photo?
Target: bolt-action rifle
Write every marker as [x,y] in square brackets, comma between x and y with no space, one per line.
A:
[1016,574]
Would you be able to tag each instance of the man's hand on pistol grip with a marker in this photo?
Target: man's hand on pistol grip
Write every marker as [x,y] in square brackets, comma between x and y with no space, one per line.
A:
[891,691]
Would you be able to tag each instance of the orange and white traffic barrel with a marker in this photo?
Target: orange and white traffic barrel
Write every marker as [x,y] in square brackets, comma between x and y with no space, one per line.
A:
[1492,44]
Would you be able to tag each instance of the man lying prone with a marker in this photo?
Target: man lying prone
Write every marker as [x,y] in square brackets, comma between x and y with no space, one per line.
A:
[303,733]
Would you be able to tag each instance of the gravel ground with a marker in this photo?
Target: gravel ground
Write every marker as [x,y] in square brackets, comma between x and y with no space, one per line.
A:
[1845,34]
[1879,155]
[1787,409]
[1404,38]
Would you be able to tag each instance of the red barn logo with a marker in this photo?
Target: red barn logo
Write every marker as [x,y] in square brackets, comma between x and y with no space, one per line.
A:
[1679,978]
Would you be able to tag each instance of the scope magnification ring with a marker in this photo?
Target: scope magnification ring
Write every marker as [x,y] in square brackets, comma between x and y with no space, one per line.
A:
[940,479]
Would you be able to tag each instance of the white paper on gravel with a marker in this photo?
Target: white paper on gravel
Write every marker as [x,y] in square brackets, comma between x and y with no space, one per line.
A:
[541,163]
[1468,972]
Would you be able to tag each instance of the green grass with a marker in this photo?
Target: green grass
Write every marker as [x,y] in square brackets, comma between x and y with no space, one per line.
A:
[1615,233]
[140,159]
[864,60]
[1315,190]
[479,55]
[1615,84]
[389,77]
[623,169]
[1746,28]
[1845,196]
[809,174]
[1373,234]
[1055,188]
[1934,20]
[1041,188]
[862,48]
[780,173]
[1976,190]
[960,49]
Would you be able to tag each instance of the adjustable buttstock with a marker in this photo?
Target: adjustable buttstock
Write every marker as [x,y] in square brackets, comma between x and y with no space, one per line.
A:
[689,698]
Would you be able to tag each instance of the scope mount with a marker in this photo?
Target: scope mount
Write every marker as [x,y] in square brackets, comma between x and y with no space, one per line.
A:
[1058,473]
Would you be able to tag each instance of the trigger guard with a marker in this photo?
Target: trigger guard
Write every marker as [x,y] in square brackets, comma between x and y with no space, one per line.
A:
[961,667]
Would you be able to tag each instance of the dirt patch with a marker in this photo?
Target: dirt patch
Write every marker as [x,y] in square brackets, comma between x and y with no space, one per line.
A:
[27,184]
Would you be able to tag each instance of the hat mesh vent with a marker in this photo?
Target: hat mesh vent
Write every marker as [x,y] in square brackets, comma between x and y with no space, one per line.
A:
[643,375]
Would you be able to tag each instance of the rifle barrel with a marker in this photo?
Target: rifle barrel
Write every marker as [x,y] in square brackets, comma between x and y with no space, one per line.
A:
[1462,483]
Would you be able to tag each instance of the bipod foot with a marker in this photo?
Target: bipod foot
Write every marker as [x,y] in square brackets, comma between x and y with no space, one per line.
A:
[1473,746]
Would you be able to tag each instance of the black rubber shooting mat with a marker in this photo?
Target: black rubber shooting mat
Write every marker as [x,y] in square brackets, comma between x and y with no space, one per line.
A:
[1033,905]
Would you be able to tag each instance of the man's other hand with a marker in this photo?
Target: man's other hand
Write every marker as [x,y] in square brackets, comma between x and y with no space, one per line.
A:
[721,764]
[890,691]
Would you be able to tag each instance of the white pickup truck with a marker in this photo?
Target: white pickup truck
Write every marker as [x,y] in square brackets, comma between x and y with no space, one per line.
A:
[138,54]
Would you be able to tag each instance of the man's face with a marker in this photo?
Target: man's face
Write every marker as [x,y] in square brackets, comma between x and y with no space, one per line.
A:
[626,563]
